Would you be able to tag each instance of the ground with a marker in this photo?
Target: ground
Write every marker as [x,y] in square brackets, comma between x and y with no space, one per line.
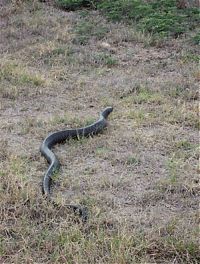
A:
[139,178]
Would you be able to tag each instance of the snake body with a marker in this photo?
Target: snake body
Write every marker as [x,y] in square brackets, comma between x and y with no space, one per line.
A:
[61,136]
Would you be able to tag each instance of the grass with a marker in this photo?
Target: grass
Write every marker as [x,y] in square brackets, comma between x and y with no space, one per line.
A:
[148,96]
[196,39]
[133,161]
[139,178]
[105,60]
[161,18]
[173,166]
[85,30]
[16,74]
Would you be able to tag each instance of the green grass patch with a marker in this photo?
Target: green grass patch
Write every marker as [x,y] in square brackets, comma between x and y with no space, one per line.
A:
[144,95]
[59,119]
[184,145]
[181,91]
[105,60]
[16,74]
[190,57]
[86,29]
[140,117]
[132,160]
[102,151]
[9,92]
[17,169]
[70,121]
[148,96]
[173,166]
[58,54]
[159,17]
[181,115]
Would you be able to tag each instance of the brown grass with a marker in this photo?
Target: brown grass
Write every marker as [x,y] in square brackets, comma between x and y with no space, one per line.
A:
[139,179]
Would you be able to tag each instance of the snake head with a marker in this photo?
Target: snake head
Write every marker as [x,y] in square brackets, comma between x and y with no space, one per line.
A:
[106,111]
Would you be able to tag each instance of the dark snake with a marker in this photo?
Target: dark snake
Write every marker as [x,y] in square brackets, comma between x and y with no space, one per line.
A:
[54,164]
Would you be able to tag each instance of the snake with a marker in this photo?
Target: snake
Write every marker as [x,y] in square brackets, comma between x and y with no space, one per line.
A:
[54,164]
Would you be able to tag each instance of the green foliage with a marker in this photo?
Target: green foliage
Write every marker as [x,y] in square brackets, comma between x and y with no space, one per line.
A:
[125,10]
[158,17]
[161,17]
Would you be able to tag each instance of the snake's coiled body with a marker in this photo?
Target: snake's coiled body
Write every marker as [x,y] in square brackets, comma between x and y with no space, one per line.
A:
[61,136]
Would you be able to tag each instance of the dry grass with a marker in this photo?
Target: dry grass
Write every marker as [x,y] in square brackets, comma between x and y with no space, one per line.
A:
[139,179]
